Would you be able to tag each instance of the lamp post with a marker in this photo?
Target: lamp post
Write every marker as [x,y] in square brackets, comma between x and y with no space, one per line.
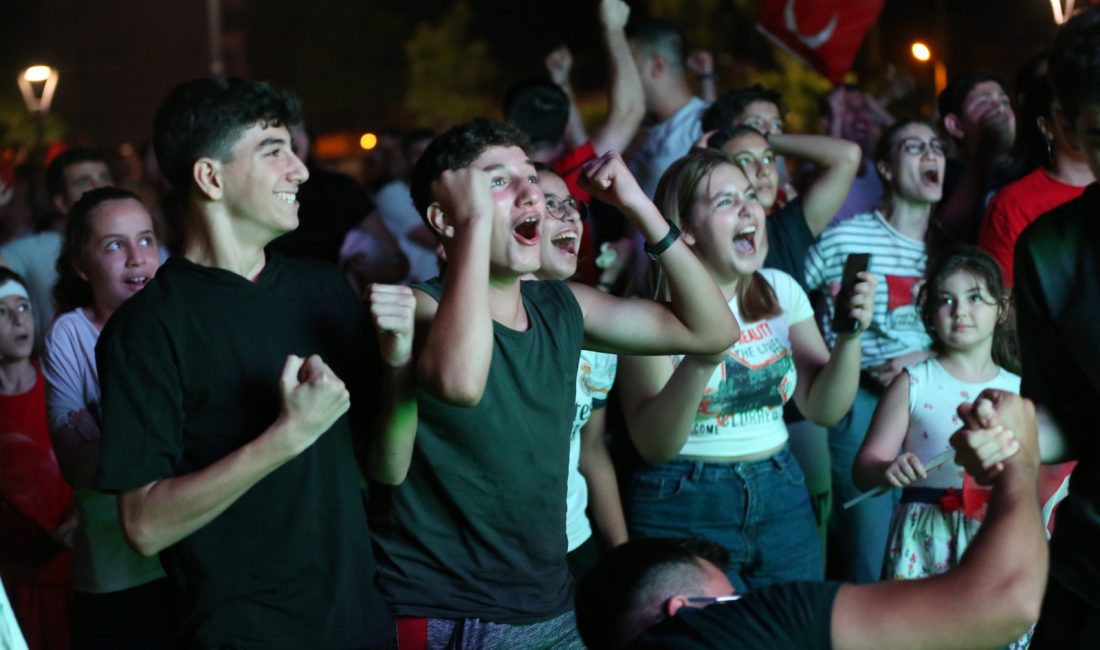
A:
[37,84]
[923,53]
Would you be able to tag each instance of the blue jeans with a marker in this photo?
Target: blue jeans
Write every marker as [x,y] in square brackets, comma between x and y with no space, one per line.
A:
[760,511]
[857,541]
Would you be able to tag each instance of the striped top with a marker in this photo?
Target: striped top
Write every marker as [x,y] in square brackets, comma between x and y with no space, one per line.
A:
[899,263]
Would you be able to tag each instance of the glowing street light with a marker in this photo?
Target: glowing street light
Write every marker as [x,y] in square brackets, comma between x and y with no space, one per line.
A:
[368,141]
[37,85]
[921,51]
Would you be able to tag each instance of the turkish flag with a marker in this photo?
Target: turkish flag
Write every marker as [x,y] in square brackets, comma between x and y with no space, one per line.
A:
[826,34]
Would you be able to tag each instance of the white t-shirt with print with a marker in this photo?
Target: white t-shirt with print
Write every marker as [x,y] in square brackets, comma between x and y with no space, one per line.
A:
[742,408]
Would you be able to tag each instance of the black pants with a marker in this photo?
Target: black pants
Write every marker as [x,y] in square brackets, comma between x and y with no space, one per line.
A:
[1065,621]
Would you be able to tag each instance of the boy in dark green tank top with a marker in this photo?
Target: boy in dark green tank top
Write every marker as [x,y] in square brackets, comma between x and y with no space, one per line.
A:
[474,539]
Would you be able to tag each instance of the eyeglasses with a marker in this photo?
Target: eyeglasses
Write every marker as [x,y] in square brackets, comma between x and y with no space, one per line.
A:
[713,599]
[568,209]
[917,147]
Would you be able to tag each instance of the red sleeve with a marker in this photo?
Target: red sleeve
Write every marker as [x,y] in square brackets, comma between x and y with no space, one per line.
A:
[1002,224]
[568,166]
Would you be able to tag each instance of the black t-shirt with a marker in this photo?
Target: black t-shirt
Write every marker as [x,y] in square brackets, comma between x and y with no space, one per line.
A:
[789,239]
[477,530]
[795,616]
[190,372]
[1057,295]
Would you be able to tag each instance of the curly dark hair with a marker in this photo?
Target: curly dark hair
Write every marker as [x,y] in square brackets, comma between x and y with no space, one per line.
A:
[729,106]
[981,265]
[1075,63]
[457,148]
[71,290]
[205,117]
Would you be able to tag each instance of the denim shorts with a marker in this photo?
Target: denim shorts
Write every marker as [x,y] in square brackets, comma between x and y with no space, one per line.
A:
[759,510]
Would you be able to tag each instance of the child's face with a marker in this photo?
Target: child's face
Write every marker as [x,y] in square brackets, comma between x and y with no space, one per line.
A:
[16,328]
[121,254]
[966,313]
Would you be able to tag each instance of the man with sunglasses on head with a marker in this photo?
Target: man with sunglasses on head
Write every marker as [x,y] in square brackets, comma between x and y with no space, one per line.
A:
[672,593]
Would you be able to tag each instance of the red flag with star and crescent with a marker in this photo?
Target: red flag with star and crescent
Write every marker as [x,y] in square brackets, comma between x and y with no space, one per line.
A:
[826,34]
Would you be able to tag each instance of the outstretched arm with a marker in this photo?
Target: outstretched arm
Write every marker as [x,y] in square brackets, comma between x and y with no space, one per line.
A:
[627,102]
[159,514]
[698,320]
[995,592]
[827,382]
[839,161]
[453,363]
[559,63]
[389,445]
[879,452]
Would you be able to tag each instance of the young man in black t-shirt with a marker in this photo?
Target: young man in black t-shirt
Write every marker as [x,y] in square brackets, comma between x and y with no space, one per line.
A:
[672,594]
[226,389]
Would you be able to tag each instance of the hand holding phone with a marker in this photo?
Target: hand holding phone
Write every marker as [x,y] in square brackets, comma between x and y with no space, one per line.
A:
[843,323]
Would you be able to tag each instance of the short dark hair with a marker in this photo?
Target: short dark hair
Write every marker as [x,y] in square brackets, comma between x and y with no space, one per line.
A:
[953,97]
[885,146]
[655,35]
[206,117]
[540,108]
[719,138]
[1075,63]
[55,173]
[71,290]
[457,148]
[613,591]
[726,108]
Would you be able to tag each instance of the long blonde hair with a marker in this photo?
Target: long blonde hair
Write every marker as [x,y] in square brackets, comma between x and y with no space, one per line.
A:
[676,194]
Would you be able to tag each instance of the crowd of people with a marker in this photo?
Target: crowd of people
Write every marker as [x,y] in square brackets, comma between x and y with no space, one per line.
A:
[733,387]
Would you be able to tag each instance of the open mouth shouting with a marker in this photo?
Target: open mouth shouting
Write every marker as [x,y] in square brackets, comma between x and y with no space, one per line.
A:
[137,282]
[566,242]
[930,175]
[744,241]
[526,230]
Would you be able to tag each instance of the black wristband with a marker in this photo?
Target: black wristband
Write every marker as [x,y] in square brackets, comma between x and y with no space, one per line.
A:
[655,250]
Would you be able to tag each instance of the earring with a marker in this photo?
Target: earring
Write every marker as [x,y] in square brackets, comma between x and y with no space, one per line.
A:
[1050,149]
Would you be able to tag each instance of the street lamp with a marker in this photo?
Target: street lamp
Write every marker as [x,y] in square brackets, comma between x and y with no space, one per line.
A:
[923,53]
[37,84]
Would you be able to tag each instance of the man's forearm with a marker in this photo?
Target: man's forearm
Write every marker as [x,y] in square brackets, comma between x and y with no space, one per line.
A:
[162,513]
[390,442]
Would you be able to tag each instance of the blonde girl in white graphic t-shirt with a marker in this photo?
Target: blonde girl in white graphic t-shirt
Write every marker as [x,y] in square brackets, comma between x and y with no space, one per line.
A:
[711,427]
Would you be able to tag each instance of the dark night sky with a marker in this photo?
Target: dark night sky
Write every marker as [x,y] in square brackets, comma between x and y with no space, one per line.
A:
[117,57]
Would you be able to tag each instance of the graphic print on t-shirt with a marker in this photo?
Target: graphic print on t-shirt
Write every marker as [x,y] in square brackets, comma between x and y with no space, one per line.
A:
[901,304]
[754,385]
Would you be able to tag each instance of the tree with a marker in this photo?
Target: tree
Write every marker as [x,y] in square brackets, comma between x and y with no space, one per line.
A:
[449,72]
